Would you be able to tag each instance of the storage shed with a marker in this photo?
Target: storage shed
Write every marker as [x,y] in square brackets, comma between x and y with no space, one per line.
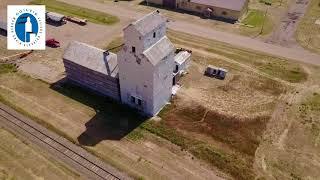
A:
[227,9]
[182,61]
[92,68]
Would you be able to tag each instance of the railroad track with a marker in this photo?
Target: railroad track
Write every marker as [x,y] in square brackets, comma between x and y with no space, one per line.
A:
[58,144]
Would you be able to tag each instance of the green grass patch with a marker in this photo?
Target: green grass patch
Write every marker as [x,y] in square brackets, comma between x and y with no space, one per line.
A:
[254,18]
[135,135]
[7,68]
[289,72]
[77,11]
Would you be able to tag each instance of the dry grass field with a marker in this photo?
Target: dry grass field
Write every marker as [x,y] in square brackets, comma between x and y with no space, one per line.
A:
[3,48]
[20,160]
[228,128]
[308,33]
[242,111]
[261,122]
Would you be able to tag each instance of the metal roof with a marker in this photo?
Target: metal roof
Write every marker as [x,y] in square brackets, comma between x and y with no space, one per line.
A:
[3,25]
[149,22]
[159,50]
[236,5]
[216,68]
[55,16]
[92,58]
[181,57]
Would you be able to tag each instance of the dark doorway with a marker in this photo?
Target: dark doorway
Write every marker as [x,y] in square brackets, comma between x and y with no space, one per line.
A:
[174,80]
[169,3]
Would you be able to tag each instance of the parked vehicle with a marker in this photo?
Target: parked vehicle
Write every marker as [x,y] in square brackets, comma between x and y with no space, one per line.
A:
[79,21]
[52,43]
[216,72]
[55,18]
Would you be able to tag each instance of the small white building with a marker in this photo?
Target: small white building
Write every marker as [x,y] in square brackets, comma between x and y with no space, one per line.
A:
[143,72]
[182,61]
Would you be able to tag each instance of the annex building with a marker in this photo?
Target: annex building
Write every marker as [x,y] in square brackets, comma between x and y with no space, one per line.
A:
[227,9]
[141,75]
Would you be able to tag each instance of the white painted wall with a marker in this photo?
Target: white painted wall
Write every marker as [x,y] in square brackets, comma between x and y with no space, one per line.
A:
[163,77]
[152,84]
[133,38]
[148,39]
[135,81]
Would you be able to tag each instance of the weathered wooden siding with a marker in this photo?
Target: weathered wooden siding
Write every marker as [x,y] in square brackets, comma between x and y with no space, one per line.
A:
[96,81]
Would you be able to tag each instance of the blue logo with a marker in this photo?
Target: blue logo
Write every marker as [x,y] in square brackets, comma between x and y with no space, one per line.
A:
[26,25]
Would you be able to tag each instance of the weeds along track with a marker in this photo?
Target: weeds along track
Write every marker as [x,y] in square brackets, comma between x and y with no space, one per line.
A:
[68,150]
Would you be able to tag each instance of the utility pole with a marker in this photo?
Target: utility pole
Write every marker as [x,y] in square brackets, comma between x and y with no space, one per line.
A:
[264,20]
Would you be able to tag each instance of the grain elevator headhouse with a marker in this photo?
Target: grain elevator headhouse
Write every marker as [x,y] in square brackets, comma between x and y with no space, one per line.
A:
[146,63]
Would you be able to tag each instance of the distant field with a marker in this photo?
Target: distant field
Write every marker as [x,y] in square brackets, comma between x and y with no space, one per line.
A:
[19,160]
[72,10]
[308,32]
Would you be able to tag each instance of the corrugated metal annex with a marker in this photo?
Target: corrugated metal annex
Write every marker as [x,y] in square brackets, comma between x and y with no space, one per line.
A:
[92,68]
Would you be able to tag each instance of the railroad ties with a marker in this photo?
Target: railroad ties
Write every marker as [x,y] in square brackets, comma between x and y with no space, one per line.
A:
[67,149]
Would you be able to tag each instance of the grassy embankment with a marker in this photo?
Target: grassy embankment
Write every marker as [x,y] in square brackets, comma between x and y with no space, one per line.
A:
[77,11]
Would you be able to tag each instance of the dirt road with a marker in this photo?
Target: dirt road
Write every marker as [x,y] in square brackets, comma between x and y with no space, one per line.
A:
[297,54]
[284,34]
